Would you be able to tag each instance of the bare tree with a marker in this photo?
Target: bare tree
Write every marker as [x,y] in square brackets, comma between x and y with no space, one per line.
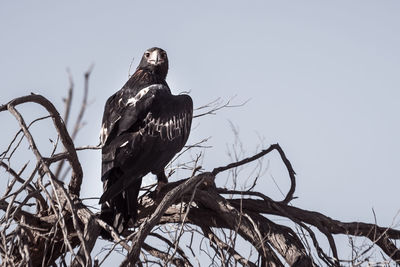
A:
[188,222]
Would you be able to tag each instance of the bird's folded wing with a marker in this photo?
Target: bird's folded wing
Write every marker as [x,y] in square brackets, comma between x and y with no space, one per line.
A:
[169,117]
[125,111]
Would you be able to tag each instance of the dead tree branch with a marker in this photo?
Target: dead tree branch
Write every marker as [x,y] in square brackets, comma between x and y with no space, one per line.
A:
[44,222]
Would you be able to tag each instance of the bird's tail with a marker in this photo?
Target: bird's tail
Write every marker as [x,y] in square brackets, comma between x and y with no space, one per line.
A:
[117,211]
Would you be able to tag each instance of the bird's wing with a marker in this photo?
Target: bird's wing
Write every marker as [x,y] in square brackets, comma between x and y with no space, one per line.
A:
[145,138]
[153,111]
[169,118]
[126,109]
[152,117]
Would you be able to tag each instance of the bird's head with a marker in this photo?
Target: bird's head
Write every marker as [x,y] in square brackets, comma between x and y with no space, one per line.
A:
[156,60]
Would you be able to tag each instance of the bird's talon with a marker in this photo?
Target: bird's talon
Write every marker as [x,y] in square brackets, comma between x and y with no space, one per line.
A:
[160,185]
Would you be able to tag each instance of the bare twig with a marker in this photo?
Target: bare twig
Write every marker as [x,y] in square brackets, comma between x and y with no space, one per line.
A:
[289,195]
[217,105]
[78,123]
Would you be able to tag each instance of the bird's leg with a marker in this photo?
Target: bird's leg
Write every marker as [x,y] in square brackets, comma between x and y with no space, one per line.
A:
[162,180]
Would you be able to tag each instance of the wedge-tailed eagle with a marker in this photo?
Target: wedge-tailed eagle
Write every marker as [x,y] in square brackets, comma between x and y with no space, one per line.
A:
[144,126]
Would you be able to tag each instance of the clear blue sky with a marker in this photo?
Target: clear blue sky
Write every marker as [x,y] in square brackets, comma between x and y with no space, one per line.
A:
[323,79]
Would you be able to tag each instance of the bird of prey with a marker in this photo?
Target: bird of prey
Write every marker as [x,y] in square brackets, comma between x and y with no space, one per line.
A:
[143,127]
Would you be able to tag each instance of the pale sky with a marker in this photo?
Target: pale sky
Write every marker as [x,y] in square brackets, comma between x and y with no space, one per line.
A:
[322,78]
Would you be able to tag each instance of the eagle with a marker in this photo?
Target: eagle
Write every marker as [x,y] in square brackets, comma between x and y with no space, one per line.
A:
[144,126]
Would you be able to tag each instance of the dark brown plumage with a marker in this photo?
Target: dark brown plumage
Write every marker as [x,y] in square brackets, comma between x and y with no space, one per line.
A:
[144,126]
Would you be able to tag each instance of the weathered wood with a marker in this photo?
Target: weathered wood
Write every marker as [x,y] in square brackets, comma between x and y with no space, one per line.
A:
[63,224]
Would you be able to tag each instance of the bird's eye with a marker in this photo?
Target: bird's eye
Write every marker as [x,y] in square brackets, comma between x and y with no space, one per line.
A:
[163,54]
[147,54]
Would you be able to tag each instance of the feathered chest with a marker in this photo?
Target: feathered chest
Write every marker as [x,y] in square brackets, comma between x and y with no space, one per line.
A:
[151,111]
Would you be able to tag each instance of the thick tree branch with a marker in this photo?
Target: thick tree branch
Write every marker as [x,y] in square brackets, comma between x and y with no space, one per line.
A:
[224,246]
[148,224]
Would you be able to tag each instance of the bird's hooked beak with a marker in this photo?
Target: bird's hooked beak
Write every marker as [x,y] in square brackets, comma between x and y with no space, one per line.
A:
[155,58]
